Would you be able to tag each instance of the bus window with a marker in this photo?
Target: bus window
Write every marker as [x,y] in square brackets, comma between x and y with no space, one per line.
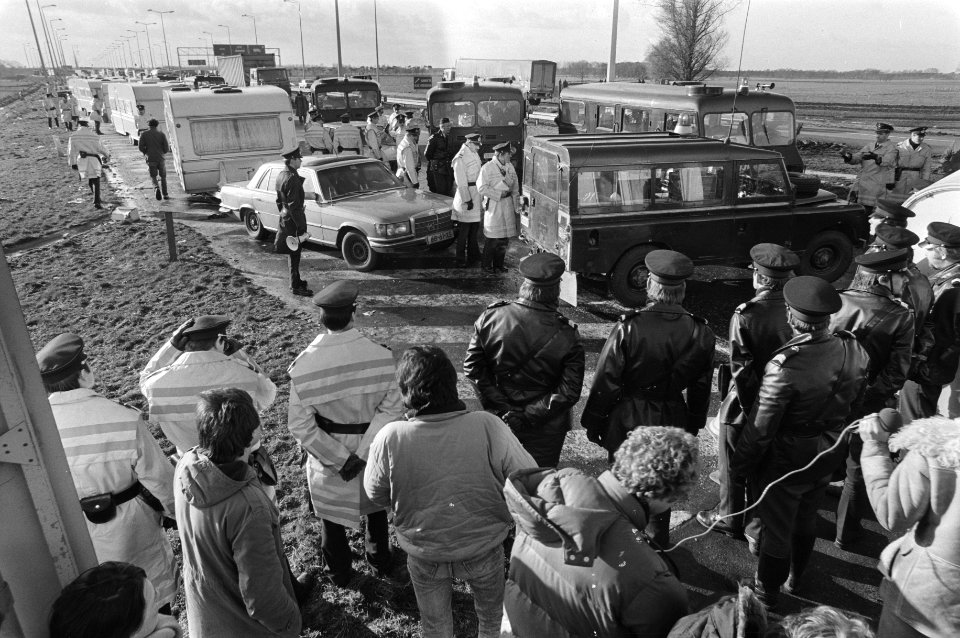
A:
[717,126]
[460,113]
[364,99]
[772,128]
[546,175]
[672,119]
[332,100]
[758,180]
[605,117]
[499,113]
[572,112]
[689,185]
[635,121]
[211,137]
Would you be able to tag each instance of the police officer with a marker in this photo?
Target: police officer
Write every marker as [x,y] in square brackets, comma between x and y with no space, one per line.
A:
[877,163]
[342,392]
[890,213]
[49,103]
[526,361]
[113,458]
[347,138]
[371,136]
[408,156]
[142,121]
[86,155]
[466,166]
[808,390]
[439,154]
[914,163]
[758,328]
[315,134]
[96,112]
[652,356]
[499,189]
[884,326]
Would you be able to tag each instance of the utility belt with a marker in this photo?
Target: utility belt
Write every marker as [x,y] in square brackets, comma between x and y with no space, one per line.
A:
[102,508]
[330,427]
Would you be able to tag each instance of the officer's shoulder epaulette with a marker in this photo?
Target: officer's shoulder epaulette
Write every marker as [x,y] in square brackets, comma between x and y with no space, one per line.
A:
[781,357]
[562,318]
[498,304]
[746,304]
[630,315]
[845,334]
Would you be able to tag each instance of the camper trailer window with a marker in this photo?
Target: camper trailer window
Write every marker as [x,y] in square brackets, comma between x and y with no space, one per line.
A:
[499,113]
[211,137]
[688,185]
[772,128]
[332,100]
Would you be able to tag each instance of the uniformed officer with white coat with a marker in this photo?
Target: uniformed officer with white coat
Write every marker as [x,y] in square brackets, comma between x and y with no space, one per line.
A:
[342,392]
[49,103]
[914,163]
[347,139]
[112,457]
[499,189]
[466,200]
[86,154]
[315,133]
[96,112]
[408,156]
[371,136]
[877,164]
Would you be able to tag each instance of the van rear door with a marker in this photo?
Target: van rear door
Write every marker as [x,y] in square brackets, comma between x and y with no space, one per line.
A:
[542,187]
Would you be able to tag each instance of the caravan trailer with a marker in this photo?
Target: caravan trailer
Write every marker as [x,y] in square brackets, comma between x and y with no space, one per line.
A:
[83,89]
[224,134]
[123,104]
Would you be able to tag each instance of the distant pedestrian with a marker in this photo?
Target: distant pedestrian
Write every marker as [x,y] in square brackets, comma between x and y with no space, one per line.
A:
[371,136]
[300,106]
[96,112]
[49,104]
[499,189]
[86,154]
[392,120]
[74,109]
[66,117]
[347,138]
[467,211]
[408,156]
[153,144]
[141,121]
[440,151]
[293,219]
[316,134]
[877,164]
[914,163]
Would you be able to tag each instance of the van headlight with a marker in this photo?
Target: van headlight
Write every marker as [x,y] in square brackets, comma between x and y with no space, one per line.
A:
[393,230]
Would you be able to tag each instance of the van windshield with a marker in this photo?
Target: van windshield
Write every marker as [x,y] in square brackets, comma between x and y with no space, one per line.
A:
[460,113]
[500,113]
[773,128]
[718,126]
[272,74]
[572,112]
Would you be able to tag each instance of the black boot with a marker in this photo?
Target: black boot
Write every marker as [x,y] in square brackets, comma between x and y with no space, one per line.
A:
[800,555]
[771,573]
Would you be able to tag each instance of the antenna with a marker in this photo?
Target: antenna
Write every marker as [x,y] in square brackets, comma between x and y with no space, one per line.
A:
[736,91]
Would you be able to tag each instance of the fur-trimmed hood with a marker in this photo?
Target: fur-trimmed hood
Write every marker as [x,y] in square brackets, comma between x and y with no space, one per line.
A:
[936,438]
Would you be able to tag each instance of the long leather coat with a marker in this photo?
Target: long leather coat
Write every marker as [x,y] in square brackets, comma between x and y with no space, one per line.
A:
[757,329]
[525,356]
[290,203]
[651,356]
[884,327]
[806,395]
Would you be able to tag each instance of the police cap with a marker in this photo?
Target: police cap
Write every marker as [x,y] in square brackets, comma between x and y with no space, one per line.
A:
[408,113]
[884,260]
[344,117]
[811,298]
[292,154]
[668,266]
[339,294]
[212,324]
[896,237]
[61,357]
[542,269]
[922,130]
[411,126]
[502,147]
[943,234]
[472,137]
[883,126]
[373,115]
[892,210]
[774,260]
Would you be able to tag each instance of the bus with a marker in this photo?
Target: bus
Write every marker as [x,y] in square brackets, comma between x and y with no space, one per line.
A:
[124,98]
[336,96]
[496,111]
[762,118]
[536,78]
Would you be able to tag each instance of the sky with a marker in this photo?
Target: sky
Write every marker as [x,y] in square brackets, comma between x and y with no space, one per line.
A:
[891,35]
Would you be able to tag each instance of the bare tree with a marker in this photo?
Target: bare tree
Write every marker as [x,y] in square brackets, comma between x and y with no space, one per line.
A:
[693,37]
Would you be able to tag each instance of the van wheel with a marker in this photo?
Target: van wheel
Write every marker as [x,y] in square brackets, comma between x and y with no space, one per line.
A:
[357,252]
[251,221]
[828,255]
[628,281]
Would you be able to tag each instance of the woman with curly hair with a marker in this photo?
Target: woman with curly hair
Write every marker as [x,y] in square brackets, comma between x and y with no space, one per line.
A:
[582,564]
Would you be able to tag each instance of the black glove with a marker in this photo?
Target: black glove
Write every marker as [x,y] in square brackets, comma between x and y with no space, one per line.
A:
[878,159]
[179,340]
[469,203]
[889,187]
[75,167]
[168,523]
[846,156]
[230,345]
[869,155]
[352,467]
[517,421]
[594,437]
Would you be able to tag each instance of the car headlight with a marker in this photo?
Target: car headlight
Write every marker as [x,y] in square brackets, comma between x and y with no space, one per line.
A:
[393,230]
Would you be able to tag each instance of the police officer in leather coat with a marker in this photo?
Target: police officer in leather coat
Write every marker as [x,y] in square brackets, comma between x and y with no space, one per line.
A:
[652,356]
[807,393]
[758,328]
[526,361]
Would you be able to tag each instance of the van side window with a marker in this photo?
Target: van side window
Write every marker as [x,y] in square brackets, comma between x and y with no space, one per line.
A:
[211,137]
[597,190]
[545,179]
[635,121]
[717,126]
[761,180]
[689,185]
[672,119]
[572,112]
[605,117]
[772,128]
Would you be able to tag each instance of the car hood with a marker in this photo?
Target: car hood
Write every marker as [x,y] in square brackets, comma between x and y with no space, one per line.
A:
[394,205]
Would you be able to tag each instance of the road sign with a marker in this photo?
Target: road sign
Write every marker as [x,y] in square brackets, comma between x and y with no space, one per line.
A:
[422,82]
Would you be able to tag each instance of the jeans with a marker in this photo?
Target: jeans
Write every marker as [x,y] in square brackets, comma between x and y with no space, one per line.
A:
[433,585]
[158,169]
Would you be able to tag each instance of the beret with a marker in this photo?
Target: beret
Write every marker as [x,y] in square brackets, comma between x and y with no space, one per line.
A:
[503,146]
[882,126]
[339,294]
[774,260]
[543,269]
[892,210]
[811,298]
[896,237]
[668,266]
[943,234]
[919,129]
[444,120]
[292,154]
[412,126]
[472,137]
[884,260]
[61,357]
[208,323]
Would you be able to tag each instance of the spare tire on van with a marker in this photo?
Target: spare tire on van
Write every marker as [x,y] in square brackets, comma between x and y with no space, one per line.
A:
[805,185]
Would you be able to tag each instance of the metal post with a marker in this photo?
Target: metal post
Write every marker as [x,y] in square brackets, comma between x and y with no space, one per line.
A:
[171,238]
[247,15]
[146,29]
[46,36]
[33,27]
[376,39]
[612,65]
[336,12]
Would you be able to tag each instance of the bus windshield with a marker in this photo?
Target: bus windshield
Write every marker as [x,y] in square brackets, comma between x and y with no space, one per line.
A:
[773,128]
[460,113]
[500,113]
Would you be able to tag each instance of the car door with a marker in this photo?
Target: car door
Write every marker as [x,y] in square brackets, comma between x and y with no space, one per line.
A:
[313,208]
[265,198]
[763,202]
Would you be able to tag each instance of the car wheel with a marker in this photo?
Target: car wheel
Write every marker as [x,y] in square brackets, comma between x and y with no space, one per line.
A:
[628,282]
[828,255]
[806,185]
[357,252]
[255,229]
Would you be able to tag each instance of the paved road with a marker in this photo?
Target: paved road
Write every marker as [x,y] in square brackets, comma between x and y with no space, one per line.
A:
[858,137]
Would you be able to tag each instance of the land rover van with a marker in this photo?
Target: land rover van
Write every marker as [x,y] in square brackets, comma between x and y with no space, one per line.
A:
[602,202]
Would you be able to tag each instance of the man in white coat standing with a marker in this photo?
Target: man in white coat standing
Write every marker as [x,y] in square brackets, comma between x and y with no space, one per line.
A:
[86,155]
[113,459]
[878,162]
[499,189]
[371,137]
[342,392]
[408,156]
[466,200]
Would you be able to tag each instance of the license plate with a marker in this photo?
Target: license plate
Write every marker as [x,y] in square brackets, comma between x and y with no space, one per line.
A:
[438,237]
[525,221]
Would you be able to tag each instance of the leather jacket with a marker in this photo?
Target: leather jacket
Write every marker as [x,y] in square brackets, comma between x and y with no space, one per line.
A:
[526,357]
[439,153]
[806,395]
[942,279]
[290,203]
[757,329]
[941,364]
[884,327]
[651,356]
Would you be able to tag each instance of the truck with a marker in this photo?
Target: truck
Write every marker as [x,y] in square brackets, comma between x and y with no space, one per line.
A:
[252,70]
[536,78]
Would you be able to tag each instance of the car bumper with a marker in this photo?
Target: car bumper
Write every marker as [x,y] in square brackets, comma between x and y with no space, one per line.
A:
[409,244]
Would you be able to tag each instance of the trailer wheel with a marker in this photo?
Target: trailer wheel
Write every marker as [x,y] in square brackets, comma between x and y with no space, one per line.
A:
[828,255]
[628,281]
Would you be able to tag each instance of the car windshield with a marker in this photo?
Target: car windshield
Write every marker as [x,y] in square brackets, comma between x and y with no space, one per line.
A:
[337,182]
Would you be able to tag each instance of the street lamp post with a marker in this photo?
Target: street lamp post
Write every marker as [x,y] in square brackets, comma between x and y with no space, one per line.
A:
[127,38]
[46,35]
[229,40]
[136,34]
[247,15]
[336,14]
[146,29]
[212,53]
[60,38]
[163,29]
[33,27]
[303,65]
[54,42]
[376,39]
